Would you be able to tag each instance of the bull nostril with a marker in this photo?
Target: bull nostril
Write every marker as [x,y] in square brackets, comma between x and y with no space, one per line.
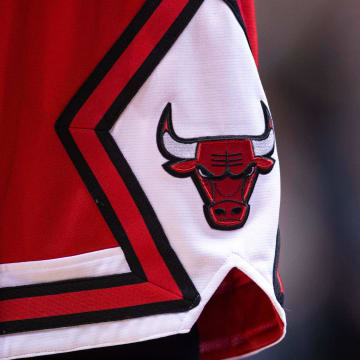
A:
[236,210]
[220,211]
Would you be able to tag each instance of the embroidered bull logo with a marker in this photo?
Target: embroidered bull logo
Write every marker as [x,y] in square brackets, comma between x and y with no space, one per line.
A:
[223,168]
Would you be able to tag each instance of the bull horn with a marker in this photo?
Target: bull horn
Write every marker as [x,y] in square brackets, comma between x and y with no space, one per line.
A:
[170,144]
[264,144]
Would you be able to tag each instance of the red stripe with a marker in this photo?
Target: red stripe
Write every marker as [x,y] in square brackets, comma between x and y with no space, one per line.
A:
[247,8]
[113,83]
[83,301]
[280,281]
[125,208]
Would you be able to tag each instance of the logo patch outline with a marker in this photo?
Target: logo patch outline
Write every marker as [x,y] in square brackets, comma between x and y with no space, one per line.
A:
[186,159]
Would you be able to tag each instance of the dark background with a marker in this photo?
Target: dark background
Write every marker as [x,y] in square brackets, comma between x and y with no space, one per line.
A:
[309,65]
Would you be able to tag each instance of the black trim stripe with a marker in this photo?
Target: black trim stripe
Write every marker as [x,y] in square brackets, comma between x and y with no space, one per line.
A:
[149,216]
[277,288]
[233,5]
[148,66]
[65,286]
[53,322]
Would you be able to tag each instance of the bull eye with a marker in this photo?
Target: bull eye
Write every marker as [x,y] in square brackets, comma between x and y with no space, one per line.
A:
[236,210]
[249,171]
[202,173]
[220,211]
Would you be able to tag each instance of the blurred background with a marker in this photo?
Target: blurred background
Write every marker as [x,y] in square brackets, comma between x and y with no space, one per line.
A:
[309,65]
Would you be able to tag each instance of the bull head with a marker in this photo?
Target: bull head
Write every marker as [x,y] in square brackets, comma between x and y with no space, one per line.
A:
[223,168]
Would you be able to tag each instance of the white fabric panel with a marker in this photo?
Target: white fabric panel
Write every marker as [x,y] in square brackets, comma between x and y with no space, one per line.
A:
[96,263]
[211,80]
